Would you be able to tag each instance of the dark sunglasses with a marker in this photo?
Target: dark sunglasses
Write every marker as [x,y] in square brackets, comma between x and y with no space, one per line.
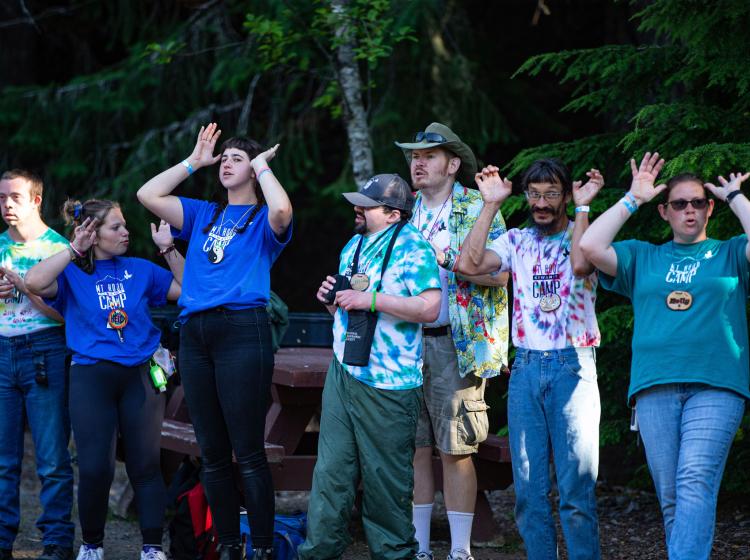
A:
[680,204]
[429,137]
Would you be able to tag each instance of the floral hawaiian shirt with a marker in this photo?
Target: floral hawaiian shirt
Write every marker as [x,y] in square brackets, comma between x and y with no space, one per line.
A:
[478,314]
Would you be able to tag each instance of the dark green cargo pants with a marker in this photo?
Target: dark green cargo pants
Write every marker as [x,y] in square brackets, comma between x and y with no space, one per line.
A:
[367,435]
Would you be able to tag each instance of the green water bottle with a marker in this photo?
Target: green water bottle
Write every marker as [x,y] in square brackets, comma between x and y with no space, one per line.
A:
[157,377]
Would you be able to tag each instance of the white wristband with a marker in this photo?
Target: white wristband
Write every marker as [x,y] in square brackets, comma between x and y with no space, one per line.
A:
[582,209]
[189,167]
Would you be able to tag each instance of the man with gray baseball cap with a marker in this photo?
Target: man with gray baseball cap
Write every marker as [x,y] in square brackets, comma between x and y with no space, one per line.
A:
[387,285]
[466,345]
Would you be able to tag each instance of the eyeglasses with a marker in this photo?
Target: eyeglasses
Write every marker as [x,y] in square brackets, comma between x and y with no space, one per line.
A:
[549,196]
[680,204]
[430,137]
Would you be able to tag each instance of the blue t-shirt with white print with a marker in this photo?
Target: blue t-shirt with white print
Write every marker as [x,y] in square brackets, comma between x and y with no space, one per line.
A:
[242,278]
[86,300]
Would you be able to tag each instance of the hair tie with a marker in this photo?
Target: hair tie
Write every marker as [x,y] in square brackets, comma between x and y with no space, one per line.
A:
[77,209]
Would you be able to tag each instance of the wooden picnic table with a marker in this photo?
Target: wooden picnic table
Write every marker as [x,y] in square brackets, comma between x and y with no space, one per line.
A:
[296,392]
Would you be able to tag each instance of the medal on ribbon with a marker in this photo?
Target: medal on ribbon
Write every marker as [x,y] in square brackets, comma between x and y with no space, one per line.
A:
[117,320]
[679,300]
[360,282]
[549,303]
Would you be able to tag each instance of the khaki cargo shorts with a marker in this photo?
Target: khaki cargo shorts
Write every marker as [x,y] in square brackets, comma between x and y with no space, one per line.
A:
[454,414]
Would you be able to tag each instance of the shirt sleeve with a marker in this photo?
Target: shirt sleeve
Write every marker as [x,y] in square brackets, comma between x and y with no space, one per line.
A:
[275,242]
[191,208]
[501,246]
[624,281]
[161,279]
[420,268]
[63,290]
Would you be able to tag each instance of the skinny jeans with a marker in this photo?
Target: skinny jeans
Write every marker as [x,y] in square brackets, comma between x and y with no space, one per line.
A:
[226,364]
[106,399]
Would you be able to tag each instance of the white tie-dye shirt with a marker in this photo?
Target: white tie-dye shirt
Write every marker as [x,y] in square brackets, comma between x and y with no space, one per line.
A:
[540,265]
[396,354]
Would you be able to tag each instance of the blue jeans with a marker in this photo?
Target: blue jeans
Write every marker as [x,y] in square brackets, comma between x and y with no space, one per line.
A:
[687,430]
[553,409]
[23,359]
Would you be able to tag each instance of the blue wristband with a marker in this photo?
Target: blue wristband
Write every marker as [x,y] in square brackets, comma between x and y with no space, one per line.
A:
[189,167]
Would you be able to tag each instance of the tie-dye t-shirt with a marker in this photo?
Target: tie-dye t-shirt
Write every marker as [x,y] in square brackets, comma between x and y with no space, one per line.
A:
[542,275]
[396,354]
[17,314]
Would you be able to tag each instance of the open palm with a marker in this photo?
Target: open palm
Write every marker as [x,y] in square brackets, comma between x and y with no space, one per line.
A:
[203,153]
[644,176]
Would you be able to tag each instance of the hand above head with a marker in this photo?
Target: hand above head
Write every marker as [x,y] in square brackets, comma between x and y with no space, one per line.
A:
[261,160]
[727,187]
[84,235]
[584,193]
[162,235]
[642,187]
[325,287]
[203,153]
[494,189]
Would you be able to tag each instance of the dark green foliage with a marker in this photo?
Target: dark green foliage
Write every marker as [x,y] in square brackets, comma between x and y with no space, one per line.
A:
[683,90]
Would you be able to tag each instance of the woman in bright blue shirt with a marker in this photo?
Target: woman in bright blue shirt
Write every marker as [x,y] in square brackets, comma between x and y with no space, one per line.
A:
[690,372]
[225,342]
[104,297]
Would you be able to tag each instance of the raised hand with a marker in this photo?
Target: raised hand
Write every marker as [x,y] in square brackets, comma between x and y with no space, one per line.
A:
[642,187]
[162,235]
[583,194]
[262,159]
[203,153]
[494,188]
[84,235]
[727,187]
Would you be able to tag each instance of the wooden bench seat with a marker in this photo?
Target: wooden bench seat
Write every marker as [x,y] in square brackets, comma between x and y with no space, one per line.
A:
[179,437]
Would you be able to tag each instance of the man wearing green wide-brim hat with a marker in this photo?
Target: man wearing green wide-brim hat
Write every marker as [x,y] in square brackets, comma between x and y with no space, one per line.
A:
[466,345]
[440,136]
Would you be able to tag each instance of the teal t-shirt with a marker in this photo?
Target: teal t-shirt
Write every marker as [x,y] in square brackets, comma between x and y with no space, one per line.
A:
[705,343]
[396,354]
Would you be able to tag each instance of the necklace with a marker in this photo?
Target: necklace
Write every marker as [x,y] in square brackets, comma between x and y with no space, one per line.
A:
[433,229]
[117,319]
[216,254]
[360,281]
[550,301]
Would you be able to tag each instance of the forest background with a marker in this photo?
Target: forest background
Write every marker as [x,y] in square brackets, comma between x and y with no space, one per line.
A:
[99,95]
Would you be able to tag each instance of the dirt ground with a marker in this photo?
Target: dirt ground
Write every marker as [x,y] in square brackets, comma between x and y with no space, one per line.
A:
[630,525]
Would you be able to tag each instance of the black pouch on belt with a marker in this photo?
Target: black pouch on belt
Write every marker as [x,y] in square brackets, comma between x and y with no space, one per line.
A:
[360,330]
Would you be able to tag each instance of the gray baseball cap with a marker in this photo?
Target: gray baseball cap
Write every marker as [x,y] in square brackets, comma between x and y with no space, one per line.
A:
[387,189]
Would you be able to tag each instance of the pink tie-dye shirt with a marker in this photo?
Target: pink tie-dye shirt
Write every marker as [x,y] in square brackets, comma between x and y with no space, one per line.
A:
[541,266]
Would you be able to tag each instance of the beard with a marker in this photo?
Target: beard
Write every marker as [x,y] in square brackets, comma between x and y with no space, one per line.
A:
[361,229]
[547,228]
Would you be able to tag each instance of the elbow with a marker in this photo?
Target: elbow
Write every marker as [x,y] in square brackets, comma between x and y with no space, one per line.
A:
[281,216]
[581,269]
[431,311]
[32,283]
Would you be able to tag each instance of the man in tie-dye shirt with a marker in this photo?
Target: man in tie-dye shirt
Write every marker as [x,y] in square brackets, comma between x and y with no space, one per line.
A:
[369,415]
[33,381]
[553,398]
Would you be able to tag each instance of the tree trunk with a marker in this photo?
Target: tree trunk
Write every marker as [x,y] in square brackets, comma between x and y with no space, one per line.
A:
[355,116]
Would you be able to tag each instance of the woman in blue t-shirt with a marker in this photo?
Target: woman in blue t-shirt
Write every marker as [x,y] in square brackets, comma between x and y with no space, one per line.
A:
[226,359]
[105,298]
[689,395]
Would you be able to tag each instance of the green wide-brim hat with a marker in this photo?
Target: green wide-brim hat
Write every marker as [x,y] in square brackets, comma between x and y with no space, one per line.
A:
[453,144]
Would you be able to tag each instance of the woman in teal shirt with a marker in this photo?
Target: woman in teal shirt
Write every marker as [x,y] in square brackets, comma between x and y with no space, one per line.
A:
[689,375]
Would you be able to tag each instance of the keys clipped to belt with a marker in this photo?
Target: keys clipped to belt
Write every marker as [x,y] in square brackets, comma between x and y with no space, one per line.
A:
[117,320]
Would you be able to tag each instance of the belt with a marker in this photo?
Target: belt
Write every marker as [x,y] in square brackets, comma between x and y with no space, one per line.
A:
[436,331]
